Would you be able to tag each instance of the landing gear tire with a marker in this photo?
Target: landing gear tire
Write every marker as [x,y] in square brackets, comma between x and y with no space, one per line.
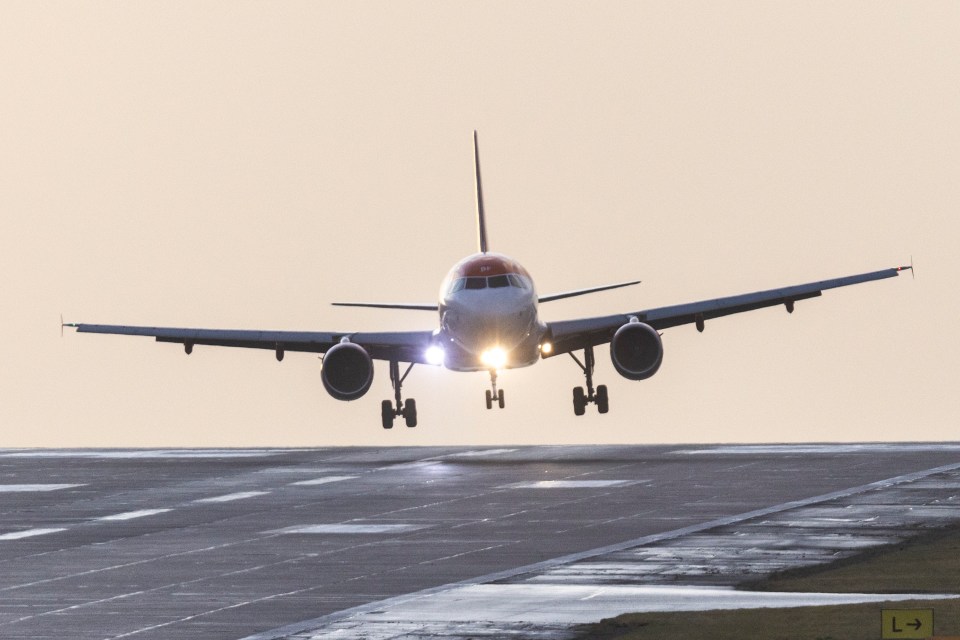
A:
[579,401]
[493,394]
[410,412]
[580,397]
[390,410]
[602,400]
[387,414]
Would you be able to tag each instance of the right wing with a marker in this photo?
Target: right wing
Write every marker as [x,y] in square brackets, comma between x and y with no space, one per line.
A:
[402,346]
[570,335]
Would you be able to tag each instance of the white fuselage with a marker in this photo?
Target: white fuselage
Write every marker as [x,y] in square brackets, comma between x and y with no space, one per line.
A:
[488,315]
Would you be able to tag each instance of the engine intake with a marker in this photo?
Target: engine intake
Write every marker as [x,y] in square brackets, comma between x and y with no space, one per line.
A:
[347,371]
[636,351]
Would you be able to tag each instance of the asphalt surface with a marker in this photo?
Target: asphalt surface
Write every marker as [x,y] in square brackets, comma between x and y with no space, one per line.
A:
[310,543]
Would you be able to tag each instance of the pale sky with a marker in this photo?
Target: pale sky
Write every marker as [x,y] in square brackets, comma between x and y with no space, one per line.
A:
[243,164]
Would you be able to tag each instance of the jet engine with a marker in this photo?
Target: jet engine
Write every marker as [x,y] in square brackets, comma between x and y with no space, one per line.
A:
[347,371]
[636,350]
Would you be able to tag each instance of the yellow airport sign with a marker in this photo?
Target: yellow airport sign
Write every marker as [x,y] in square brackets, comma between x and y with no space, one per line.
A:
[906,623]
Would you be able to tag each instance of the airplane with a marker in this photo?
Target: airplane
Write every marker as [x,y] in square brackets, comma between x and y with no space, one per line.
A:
[489,321]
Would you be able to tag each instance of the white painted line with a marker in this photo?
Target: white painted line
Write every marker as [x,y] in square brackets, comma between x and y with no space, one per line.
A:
[29,533]
[155,453]
[130,515]
[416,464]
[479,453]
[351,528]
[16,488]
[772,449]
[230,497]
[323,480]
[568,484]
[310,470]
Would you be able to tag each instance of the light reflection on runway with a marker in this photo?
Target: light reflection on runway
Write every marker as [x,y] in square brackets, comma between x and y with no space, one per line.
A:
[265,543]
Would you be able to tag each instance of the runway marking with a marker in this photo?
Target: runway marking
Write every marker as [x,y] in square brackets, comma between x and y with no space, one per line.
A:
[179,554]
[16,488]
[768,449]
[311,470]
[569,484]
[416,464]
[231,606]
[230,497]
[349,528]
[323,480]
[307,626]
[183,584]
[159,453]
[29,533]
[478,453]
[204,613]
[131,515]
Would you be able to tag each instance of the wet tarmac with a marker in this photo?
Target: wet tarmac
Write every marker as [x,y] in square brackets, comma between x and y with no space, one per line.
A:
[438,542]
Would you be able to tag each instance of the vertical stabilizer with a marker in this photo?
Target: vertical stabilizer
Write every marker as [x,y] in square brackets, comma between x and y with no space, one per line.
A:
[481,220]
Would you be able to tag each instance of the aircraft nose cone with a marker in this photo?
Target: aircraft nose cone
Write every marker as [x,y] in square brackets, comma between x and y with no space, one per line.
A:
[486,324]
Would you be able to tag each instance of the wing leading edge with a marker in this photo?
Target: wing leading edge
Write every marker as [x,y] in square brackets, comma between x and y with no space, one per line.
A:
[402,346]
[566,335]
[570,335]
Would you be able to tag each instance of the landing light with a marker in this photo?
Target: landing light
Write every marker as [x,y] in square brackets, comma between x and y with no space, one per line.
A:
[434,355]
[546,348]
[495,358]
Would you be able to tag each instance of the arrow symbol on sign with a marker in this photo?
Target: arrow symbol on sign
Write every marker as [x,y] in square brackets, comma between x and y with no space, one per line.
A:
[916,624]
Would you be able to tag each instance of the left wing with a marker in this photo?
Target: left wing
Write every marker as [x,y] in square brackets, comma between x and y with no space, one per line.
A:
[570,335]
[402,346]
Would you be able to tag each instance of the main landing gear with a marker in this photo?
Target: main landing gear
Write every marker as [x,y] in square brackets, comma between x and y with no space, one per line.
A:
[494,394]
[408,409]
[581,398]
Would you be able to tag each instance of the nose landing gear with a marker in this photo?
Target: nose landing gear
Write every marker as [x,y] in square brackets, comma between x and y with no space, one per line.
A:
[580,397]
[408,409]
[494,394]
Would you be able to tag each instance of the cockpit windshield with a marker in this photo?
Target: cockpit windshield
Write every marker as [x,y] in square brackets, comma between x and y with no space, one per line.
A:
[492,282]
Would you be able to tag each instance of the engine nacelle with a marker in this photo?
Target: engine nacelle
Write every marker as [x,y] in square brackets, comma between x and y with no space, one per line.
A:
[636,351]
[347,371]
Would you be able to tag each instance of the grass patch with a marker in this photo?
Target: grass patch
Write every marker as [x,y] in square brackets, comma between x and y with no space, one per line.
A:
[844,622]
[927,563]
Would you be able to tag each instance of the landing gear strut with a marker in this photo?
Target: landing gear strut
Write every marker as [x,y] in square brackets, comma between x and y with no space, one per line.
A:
[598,396]
[493,393]
[408,409]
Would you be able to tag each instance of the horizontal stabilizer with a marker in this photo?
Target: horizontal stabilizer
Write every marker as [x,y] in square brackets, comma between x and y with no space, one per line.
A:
[580,292]
[388,305]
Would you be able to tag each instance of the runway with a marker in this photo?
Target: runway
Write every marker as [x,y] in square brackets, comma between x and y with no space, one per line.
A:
[401,542]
